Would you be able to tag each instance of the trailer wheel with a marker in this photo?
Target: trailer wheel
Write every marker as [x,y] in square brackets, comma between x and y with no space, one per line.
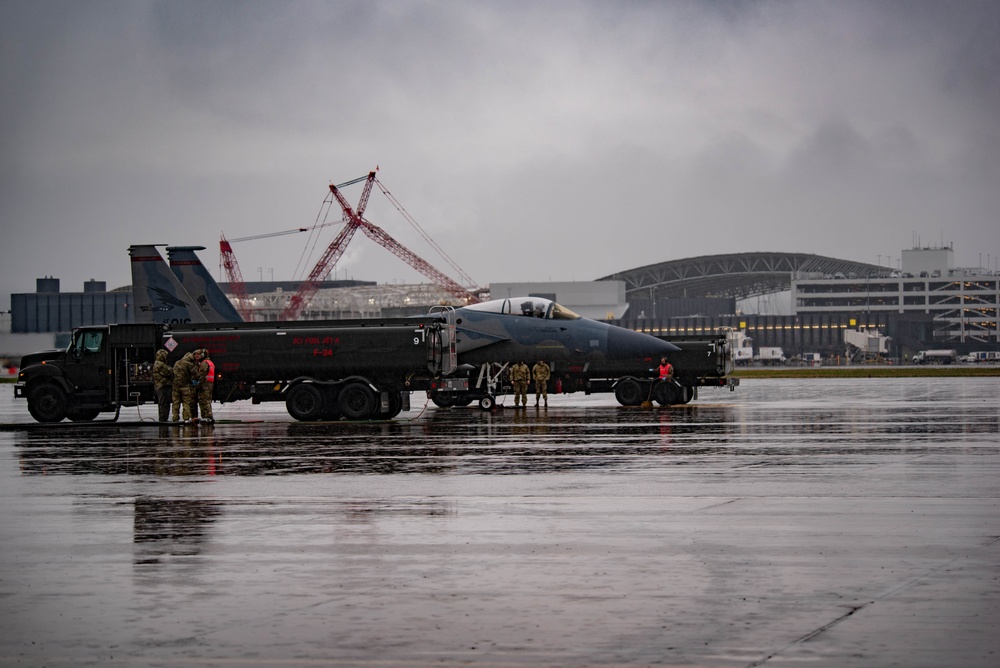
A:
[395,406]
[442,400]
[48,403]
[357,402]
[628,392]
[488,402]
[667,393]
[305,402]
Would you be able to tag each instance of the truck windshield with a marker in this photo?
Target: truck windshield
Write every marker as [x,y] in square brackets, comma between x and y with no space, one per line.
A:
[533,307]
[88,342]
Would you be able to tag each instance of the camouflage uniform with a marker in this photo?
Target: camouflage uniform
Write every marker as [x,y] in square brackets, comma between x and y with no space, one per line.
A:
[163,380]
[185,381]
[541,374]
[519,377]
[206,382]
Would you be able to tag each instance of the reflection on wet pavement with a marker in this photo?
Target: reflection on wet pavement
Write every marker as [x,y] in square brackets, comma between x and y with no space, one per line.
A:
[470,441]
[791,521]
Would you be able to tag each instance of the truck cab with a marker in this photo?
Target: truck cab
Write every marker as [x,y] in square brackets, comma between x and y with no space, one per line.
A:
[101,369]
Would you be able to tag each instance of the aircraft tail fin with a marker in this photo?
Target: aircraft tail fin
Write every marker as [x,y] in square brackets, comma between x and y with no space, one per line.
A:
[157,294]
[198,282]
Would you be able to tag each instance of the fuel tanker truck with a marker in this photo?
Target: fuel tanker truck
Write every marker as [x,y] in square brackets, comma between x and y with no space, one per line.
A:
[321,370]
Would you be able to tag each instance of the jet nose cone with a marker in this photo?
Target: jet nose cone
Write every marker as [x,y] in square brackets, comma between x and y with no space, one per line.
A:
[624,343]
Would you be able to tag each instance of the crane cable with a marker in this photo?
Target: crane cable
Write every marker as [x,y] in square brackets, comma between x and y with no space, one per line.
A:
[399,207]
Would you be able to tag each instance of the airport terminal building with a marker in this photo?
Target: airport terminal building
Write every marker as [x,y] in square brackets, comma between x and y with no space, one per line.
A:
[962,304]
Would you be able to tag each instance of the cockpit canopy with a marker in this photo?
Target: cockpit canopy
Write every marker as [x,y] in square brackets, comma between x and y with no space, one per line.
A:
[534,307]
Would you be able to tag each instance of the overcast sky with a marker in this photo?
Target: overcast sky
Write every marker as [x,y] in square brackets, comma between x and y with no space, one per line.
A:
[531,140]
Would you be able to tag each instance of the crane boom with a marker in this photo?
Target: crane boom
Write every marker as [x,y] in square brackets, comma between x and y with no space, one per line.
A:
[333,252]
[380,236]
[310,286]
[235,278]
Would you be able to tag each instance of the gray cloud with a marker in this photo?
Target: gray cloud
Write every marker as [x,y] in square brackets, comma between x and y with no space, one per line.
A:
[562,140]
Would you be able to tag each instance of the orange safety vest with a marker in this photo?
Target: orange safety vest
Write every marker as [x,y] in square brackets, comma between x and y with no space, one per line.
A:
[665,370]
[210,376]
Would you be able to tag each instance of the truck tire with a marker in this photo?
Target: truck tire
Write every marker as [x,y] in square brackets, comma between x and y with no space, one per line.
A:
[357,402]
[305,402]
[628,392]
[48,403]
[395,406]
[443,400]
[667,393]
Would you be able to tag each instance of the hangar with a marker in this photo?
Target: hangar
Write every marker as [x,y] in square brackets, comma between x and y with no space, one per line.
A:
[736,275]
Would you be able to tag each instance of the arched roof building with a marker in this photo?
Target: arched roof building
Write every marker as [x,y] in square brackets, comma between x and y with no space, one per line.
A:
[739,275]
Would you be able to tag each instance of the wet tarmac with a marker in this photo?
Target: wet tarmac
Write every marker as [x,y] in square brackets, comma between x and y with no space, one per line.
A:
[789,523]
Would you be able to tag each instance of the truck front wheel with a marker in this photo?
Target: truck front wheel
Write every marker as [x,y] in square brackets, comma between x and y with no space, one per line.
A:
[48,403]
[305,402]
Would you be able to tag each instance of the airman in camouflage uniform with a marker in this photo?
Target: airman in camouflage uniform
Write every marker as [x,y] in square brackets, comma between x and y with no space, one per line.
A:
[206,382]
[185,382]
[541,374]
[163,381]
[519,377]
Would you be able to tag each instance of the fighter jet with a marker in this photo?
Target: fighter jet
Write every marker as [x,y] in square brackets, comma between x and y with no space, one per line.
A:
[199,284]
[530,329]
[156,292]
[492,335]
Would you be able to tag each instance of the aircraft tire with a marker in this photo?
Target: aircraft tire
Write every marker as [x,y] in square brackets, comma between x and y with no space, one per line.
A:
[488,402]
[47,402]
[357,402]
[628,392]
[305,402]
[687,394]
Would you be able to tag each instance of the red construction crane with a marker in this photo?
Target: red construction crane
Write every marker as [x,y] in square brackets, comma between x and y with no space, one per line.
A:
[307,289]
[235,277]
[353,221]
